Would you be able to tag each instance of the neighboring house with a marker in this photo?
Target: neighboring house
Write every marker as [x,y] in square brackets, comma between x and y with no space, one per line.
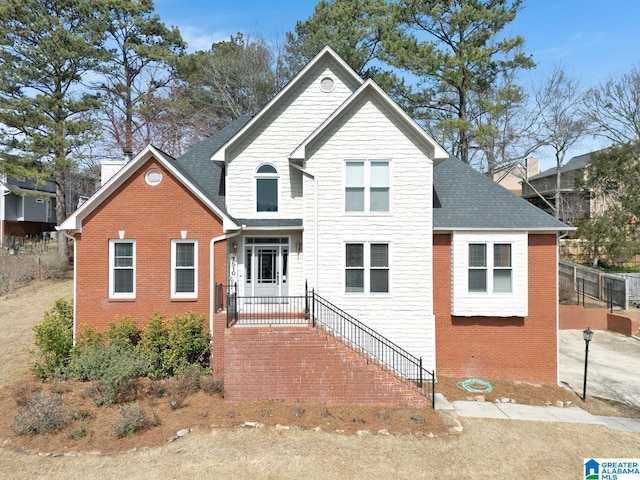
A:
[513,176]
[330,189]
[541,190]
[26,208]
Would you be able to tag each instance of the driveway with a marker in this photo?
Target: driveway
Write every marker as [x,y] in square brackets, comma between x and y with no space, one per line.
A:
[613,369]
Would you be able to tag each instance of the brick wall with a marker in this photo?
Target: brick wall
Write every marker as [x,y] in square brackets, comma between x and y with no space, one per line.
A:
[516,348]
[152,216]
[304,364]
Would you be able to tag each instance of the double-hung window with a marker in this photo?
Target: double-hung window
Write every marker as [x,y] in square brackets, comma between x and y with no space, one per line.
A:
[490,273]
[367,186]
[122,269]
[367,268]
[184,270]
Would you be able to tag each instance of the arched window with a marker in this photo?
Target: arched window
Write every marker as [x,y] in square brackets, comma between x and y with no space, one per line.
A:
[266,188]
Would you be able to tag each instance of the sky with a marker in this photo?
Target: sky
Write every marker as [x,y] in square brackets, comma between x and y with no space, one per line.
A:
[592,40]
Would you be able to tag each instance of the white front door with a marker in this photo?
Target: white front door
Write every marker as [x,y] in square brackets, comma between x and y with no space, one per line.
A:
[266,264]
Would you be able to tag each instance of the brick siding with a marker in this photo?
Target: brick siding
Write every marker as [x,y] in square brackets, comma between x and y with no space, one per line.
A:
[515,348]
[305,364]
[152,216]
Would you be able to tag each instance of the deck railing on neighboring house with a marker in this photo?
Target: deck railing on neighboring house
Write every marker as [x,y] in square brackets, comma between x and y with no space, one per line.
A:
[313,310]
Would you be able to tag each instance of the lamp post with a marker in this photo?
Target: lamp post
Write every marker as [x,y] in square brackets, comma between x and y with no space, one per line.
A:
[587,335]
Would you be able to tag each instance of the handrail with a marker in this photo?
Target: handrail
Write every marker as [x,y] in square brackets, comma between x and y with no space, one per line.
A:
[364,339]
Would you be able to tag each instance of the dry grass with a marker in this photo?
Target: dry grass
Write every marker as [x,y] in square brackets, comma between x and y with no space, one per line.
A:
[20,310]
[486,448]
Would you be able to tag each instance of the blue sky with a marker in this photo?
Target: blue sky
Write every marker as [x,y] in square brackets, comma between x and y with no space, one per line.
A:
[591,39]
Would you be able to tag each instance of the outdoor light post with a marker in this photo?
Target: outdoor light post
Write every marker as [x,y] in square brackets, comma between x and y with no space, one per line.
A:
[587,335]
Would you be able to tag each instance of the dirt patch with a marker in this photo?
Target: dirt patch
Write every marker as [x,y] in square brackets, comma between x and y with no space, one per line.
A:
[535,394]
[94,427]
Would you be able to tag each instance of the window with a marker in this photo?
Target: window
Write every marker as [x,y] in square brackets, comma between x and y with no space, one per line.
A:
[367,268]
[122,269]
[367,186]
[355,268]
[499,281]
[502,268]
[184,261]
[267,188]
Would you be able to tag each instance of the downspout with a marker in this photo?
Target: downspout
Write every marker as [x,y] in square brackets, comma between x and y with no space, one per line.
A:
[560,237]
[2,216]
[315,183]
[212,284]
[75,292]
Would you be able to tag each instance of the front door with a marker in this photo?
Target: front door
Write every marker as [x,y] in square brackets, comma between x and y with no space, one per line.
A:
[266,267]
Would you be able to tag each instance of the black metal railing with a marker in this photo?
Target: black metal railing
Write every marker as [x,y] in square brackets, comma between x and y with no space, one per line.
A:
[585,286]
[313,310]
[265,310]
[368,342]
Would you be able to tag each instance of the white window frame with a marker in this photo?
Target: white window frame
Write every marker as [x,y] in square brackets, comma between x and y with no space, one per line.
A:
[112,267]
[490,303]
[174,267]
[367,186]
[367,268]
[489,268]
[266,176]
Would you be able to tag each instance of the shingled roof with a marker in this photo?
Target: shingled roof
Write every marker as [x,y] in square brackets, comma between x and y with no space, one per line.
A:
[464,199]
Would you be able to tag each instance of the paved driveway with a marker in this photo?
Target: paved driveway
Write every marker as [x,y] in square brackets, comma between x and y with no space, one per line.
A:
[614,365]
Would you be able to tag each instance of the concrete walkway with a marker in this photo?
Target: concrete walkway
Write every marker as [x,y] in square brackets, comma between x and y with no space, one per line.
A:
[514,411]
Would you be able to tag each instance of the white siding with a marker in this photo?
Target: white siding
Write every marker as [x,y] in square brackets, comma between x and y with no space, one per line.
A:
[466,304]
[277,135]
[405,315]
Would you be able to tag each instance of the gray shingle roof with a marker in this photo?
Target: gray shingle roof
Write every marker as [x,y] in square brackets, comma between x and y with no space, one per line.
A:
[466,199]
[576,163]
[205,174]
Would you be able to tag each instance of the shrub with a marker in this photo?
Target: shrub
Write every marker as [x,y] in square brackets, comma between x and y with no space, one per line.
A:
[54,339]
[188,379]
[172,346]
[189,343]
[131,419]
[153,343]
[125,331]
[212,386]
[88,336]
[43,413]
[113,365]
[23,392]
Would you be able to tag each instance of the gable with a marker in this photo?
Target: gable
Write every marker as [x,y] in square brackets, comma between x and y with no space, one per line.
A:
[73,224]
[297,109]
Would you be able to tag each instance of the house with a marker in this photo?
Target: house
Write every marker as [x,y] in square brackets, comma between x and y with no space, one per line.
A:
[512,177]
[574,205]
[26,208]
[324,238]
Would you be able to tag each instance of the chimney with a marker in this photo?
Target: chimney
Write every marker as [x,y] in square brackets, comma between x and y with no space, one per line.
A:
[108,168]
[532,167]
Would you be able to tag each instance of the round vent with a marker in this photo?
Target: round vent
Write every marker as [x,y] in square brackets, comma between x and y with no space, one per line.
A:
[153,177]
[327,84]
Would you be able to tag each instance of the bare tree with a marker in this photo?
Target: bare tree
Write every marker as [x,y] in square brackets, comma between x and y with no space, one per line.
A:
[614,108]
[559,121]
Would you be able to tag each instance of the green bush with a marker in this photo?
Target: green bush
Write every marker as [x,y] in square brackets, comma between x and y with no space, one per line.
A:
[43,413]
[54,339]
[113,364]
[125,331]
[189,343]
[131,419]
[170,346]
[88,336]
[153,344]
